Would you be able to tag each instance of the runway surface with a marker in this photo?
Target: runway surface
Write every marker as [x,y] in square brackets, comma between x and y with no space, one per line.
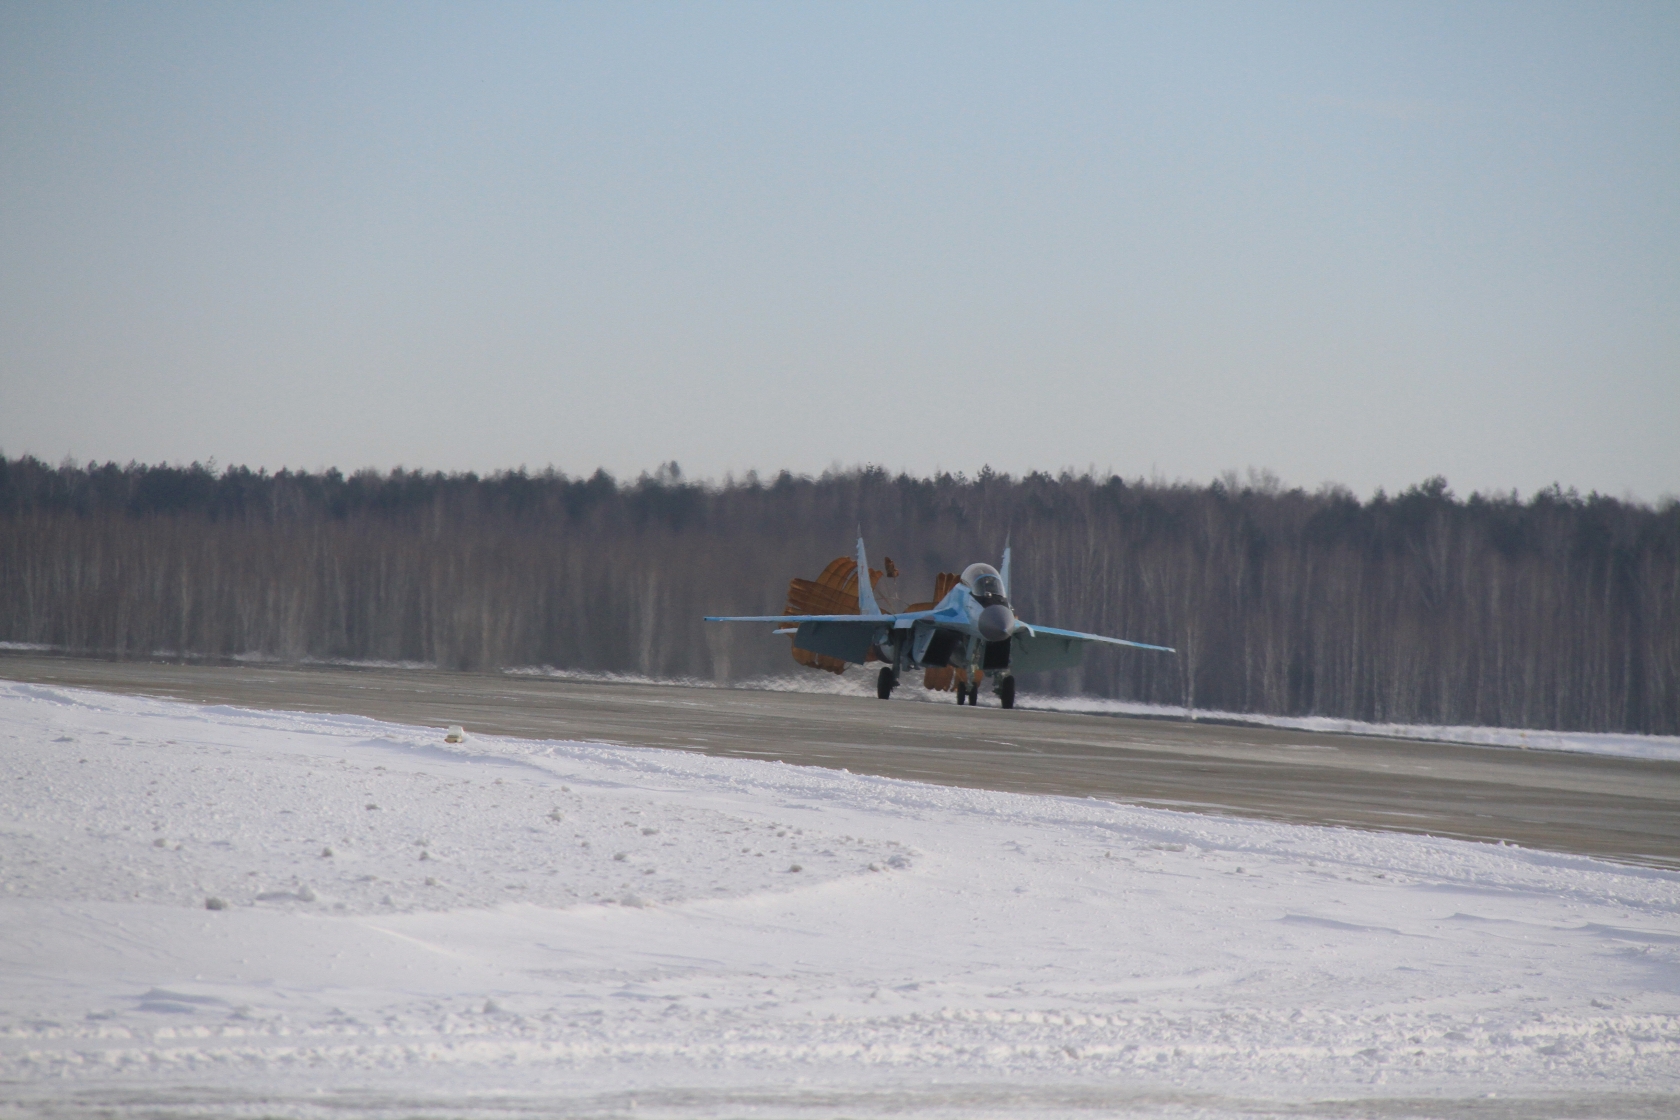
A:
[1623,809]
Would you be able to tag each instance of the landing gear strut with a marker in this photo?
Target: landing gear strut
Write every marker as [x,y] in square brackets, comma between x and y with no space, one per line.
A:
[885,683]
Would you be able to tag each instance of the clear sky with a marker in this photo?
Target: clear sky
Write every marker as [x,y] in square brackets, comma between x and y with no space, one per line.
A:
[1360,243]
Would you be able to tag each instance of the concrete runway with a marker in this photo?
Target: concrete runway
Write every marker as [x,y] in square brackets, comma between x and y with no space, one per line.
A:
[1622,809]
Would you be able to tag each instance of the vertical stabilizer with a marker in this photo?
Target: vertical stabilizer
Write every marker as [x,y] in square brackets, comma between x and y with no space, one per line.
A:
[866,590]
[1004,571]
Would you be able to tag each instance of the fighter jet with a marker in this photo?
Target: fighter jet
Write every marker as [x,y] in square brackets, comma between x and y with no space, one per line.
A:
[973,628]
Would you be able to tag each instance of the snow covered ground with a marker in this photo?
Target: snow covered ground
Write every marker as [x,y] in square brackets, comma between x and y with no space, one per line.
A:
[1664,748]
[508,927]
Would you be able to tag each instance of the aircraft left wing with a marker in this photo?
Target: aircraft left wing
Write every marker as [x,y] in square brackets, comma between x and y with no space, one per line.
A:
[1077,636]
[1037,649]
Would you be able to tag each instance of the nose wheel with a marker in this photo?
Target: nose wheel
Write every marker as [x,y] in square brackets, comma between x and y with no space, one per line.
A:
[1005,691]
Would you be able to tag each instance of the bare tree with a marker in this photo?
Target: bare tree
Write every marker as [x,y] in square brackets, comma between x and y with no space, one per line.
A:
[1558,611]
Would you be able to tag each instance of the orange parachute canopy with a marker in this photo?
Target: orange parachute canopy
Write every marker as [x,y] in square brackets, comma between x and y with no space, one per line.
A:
[835,592]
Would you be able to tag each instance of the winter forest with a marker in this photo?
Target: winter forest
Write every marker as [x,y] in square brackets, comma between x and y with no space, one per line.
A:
[1558,611]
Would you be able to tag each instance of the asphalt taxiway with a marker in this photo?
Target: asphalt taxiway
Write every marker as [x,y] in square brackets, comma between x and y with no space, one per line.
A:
[1622,809]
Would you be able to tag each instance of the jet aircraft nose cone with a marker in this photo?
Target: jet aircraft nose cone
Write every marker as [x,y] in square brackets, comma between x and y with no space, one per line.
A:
[996,622]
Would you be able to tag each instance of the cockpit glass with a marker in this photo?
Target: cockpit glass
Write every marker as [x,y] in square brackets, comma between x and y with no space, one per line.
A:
[988,587]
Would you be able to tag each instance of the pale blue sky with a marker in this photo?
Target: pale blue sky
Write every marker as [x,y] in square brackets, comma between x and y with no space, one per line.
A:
[1356,243]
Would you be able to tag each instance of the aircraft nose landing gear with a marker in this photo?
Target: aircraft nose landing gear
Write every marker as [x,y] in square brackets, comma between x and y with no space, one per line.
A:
[1006,691]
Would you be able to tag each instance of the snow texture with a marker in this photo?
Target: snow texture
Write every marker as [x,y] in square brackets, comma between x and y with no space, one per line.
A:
[508,927]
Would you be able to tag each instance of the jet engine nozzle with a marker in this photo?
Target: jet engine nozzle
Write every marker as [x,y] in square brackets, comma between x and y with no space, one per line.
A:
[996,622]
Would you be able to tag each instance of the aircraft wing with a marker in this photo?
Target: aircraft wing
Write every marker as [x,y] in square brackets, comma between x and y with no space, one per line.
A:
[875,619]
[1038,649]
[846,636]
[1077,636]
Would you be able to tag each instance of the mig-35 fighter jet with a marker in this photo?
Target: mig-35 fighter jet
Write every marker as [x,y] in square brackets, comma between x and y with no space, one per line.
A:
[972,630]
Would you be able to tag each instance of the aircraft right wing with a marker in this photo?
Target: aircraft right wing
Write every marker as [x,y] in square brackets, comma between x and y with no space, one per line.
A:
[877,619]
[846,636]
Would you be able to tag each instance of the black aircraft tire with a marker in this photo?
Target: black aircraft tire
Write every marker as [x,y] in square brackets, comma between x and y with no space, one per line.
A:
[884,685]
[1006,692]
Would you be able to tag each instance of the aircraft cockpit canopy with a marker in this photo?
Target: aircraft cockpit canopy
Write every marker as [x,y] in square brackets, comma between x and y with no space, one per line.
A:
[983,580]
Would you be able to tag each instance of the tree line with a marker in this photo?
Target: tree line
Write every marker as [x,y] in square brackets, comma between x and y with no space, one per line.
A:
[1559,611]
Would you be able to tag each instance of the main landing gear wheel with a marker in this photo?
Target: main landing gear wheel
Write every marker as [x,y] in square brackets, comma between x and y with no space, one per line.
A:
[884,684]
[962,694]
[1006,692]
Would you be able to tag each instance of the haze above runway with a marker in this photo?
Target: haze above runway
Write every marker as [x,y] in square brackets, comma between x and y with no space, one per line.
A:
[1617,808]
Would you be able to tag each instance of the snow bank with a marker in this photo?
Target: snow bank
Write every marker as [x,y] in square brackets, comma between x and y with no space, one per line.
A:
[1664,748]
[508,927]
